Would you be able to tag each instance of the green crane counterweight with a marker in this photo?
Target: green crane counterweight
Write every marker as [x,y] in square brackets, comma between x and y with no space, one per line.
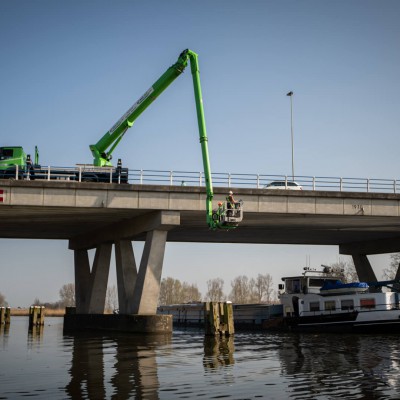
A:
[103,149]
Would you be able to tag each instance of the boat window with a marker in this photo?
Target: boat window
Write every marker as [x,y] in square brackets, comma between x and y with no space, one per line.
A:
[315,282]
[293,285]
[367,303]
[314,306]
[347,305]
[330,305]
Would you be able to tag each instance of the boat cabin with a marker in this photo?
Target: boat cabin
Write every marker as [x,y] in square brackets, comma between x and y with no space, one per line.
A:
[304,295]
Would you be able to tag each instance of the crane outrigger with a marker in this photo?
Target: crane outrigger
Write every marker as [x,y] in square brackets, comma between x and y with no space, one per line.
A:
[102,151]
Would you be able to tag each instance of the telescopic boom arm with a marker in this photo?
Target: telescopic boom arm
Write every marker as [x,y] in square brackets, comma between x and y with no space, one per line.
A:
[103,149]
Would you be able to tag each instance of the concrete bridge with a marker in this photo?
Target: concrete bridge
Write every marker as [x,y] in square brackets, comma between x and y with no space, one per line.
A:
[92,215]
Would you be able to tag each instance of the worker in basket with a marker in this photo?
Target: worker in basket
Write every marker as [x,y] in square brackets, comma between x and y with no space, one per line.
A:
[230,203]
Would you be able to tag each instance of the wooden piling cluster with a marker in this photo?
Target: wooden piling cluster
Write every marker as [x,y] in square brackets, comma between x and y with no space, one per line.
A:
[36,316]
[218,318]
[5,315]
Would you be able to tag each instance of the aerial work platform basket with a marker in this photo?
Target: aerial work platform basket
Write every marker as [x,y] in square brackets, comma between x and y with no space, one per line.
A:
[228,216]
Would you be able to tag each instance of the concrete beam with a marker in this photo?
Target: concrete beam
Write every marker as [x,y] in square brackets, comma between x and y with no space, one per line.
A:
[379,246]
[126,275]
[127,229]
[147,287]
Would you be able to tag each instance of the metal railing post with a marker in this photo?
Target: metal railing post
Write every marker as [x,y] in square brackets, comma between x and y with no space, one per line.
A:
[313,183]
[394,185]
[80,174]
[200,179]
[171,178]
[367,185]
[48,172]
[141,177]
[341,184]
[111,174]
[16,172]
[229,180]
[258,181]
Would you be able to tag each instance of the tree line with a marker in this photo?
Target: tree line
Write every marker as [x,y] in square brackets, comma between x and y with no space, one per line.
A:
[243,290]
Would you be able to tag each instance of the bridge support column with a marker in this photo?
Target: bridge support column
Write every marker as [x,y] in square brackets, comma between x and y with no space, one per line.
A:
[363,268]
[126,275]
[147,287]
[91,287]
[82,281]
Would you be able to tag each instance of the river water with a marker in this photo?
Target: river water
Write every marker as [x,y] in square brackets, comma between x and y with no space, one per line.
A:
[251,365]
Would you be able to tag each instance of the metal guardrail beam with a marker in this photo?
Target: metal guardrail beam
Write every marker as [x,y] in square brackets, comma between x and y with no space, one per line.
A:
[187,178]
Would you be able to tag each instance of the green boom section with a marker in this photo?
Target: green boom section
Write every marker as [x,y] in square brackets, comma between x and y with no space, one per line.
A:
[103,149]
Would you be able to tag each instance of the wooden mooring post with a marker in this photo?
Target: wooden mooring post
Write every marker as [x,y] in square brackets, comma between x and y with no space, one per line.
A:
[5,315]
[218,318]
[36,316]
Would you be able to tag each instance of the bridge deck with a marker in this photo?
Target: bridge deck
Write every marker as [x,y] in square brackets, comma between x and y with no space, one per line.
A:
[63,210]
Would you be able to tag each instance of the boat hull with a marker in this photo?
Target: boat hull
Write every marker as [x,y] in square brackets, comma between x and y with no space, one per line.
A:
[358,322]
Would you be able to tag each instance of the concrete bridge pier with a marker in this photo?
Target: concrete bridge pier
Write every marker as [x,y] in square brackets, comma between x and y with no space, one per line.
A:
[138,291]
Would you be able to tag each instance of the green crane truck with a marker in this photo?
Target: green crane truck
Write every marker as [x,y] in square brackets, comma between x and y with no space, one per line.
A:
[12,158]
[16,164]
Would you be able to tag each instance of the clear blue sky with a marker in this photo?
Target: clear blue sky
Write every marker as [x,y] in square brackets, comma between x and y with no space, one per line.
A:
[70,69]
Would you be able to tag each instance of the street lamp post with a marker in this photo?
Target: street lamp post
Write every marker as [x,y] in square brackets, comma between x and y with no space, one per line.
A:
[290,94]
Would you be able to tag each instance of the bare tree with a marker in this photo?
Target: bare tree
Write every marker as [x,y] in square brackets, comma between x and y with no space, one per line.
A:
[172,291]
[190,293]
[111,298]
[3,302]
[262,289]
[67,295]
[215,290]
[37,302]
[167,289]
[391,271]
[241,291]
[345,271]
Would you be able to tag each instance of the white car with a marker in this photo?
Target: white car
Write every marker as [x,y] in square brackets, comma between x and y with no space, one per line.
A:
[290,185]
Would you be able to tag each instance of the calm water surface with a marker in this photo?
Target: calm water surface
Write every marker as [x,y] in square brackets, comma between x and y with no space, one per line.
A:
[50,365]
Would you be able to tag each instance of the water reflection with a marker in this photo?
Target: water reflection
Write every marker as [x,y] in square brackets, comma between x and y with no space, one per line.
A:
[4,331]
[249,365]
[349,366]
[218,351]
[132,359]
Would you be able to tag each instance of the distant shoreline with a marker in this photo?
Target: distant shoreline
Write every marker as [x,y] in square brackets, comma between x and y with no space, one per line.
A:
[24,312]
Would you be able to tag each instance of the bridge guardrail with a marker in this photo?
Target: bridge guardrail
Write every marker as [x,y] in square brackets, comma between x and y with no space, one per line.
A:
[187,178]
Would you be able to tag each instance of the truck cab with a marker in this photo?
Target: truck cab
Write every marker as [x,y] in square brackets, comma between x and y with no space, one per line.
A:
[11,156]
